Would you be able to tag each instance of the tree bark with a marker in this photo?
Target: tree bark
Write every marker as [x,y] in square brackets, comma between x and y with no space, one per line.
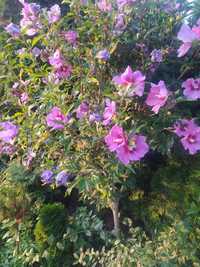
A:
[115,210]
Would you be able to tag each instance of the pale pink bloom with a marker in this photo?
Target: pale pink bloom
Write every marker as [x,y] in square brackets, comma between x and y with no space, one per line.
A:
[116,138]
[187,36]
[70,37]
[122,3]
[24,98]
[54,14]
[109,112]
[21,51]
[36,52]
[120,23]
[130,83]
[184,127]
[82,110]
[134,150]
[157,96]
[56,119]
[13,30]
[30,11]
[183,49]
[103,55]
[104,5]
[8,131]
[30,22]
[57,59]
[191,89]
[29,158]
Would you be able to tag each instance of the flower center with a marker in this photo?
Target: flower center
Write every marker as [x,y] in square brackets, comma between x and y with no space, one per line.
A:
[132,143]
[191,139]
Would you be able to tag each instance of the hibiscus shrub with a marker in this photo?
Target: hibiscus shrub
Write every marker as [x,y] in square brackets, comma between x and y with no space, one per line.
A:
[100,108]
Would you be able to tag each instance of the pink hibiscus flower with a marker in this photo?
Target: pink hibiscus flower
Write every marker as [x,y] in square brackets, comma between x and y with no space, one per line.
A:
[131,82]
[134,150]
[82,110]
[116,138]
[157,97]
[127,149]
[8,131]
[104,5]
[191,89]
[56,119]
[187,36]
[57,59]
[109,112]
[183,127]
[54,14]
[70,37]
[191,142]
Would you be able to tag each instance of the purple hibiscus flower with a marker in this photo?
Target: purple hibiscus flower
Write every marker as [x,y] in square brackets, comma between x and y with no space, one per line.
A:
[82,110]
[8,131]
[47,177]
[103,55]
[191,89]
[56,119]
[13,30]
[54,14]
[62,178]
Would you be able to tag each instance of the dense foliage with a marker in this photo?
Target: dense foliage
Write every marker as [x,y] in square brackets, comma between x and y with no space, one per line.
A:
[100,135]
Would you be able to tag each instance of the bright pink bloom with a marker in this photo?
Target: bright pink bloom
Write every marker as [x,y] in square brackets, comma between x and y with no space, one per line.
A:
[191,142]
[63,72]
[191,89]
[157,96]
[116,138]
[57,59]
[196,30]
[13,30]
[70,37]
[184,127]
[82,110]
[134,150]
[187,36]
[54,14]
[56,119]
[104,5]
[131,82]
[8,131]
[109,112]
[189,132]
